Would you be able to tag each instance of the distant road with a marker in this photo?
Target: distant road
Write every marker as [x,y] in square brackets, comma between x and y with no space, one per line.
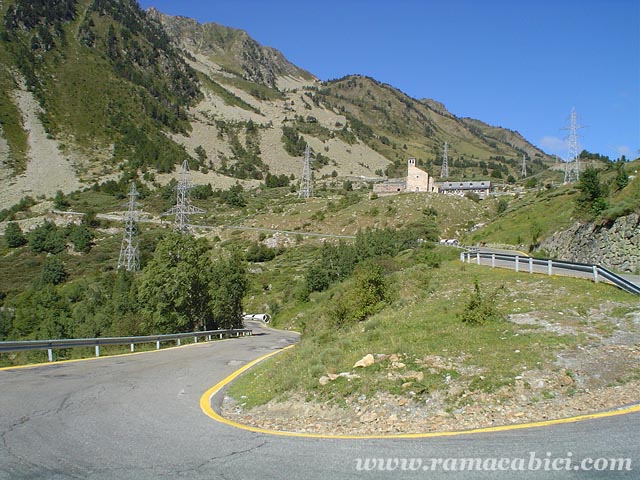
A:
[117,218]
[138,417]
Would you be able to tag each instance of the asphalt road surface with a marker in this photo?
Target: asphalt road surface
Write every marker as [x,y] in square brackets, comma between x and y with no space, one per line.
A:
[138,417]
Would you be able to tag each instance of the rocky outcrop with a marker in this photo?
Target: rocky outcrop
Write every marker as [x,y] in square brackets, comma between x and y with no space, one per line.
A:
[616,245]
[232,48]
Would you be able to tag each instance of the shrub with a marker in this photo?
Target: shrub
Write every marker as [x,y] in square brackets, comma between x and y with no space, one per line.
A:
[53,271]
[258,252]
[60,202]
[13,235]
[47,238]
[592,198]
[502,206]
[481,308]
[367,296]
[81,237]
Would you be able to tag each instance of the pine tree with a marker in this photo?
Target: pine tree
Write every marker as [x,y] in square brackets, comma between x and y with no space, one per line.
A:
[622,178]
[13,235]
[53,271]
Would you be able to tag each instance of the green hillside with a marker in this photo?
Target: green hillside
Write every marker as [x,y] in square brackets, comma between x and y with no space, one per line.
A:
[398,126]
[103,74]
[127,92]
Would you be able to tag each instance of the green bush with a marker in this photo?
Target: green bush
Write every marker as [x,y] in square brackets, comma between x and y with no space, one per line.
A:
[47,238]
[60,202]
[13,235]
[53,272]
[81,237]
[368,295]
[481,308]
[258,252]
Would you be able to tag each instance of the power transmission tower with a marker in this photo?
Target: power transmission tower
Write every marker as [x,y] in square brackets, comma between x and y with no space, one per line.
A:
[183,208]
[572,165]
[129,254]
[445,163]
[523,173]
[306,187]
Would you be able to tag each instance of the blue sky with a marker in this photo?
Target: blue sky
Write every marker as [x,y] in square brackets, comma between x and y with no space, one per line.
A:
[517,64]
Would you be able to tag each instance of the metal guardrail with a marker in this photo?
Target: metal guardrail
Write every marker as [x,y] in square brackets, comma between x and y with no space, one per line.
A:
[50,345]
[523,263]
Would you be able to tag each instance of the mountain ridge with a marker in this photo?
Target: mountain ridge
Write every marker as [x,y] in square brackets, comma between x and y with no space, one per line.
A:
[127,92]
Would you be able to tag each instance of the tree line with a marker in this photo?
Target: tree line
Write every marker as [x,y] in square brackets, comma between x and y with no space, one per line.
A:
[182,288]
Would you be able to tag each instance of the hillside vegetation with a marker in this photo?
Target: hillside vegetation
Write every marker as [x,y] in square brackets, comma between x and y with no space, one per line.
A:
[127,94]
[103,74]
[607,191]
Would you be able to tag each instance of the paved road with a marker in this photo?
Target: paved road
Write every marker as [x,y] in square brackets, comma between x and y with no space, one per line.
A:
[138,417]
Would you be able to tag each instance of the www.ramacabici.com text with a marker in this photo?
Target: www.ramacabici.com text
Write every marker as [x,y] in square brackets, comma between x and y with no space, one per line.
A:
[529,462]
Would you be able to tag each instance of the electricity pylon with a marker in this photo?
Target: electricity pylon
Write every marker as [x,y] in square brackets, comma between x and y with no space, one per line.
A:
[183,208]
[306,187]
[445,163]
[572,165]
[129,253]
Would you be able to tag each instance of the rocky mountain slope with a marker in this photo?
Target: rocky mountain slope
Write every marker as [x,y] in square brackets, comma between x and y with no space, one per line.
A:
[231,49]
[124,93]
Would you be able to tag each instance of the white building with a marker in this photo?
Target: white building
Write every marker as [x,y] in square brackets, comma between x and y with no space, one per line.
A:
[416,181]
[482,188]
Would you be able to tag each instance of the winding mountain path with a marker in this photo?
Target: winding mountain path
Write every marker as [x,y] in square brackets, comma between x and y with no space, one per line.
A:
[139,417]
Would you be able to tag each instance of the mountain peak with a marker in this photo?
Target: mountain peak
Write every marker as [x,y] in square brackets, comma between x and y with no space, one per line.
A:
[232,49]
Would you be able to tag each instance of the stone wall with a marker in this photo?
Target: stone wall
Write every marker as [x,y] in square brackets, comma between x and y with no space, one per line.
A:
[389,188]
[615,246]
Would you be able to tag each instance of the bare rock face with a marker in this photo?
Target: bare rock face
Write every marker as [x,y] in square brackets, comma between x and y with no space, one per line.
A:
[614,246]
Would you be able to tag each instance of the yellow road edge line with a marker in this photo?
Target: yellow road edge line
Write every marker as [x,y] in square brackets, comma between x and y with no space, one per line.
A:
[205,406]
[101,357]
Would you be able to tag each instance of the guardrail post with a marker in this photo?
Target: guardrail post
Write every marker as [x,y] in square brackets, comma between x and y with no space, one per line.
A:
[209,338]
[195,339]
[97,350]
[595,274]
[550,267]
[517,263]
[530,265]
[178,341]
[132,348]
[220,336]
[493,260]
[478,258]
[50,354]
[462,257]
[157,344]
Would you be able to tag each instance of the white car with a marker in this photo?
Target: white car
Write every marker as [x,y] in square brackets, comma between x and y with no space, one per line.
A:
[262,317]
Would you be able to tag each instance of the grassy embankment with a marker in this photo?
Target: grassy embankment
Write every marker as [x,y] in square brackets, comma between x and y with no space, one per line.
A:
[424,320]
